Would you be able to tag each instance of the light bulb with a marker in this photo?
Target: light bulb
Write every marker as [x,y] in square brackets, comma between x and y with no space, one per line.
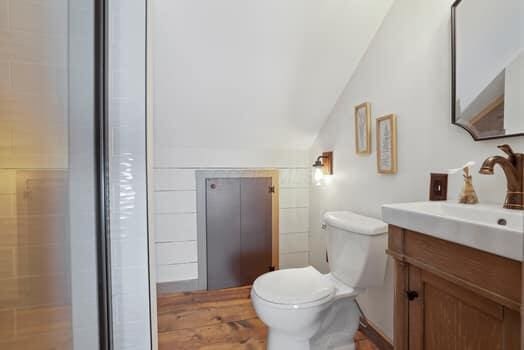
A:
[318,176]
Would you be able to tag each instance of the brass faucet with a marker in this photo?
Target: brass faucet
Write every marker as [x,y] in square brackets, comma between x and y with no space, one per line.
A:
[513,167]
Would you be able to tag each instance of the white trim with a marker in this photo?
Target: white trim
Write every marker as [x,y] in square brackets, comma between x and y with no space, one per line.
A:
[150,182]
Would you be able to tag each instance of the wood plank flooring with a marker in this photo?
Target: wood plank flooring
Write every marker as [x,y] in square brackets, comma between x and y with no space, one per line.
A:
[215,320]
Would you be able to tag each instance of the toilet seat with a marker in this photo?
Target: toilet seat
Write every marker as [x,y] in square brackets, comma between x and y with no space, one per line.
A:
[301,287]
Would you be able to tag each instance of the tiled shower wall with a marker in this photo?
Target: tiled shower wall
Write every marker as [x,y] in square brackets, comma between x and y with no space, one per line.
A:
[175,209]
[35,290]
[47,272]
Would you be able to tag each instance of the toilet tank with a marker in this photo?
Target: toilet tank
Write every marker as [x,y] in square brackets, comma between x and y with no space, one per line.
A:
[356,248]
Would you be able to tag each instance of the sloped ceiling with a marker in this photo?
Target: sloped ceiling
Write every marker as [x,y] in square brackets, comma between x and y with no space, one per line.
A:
[254,73]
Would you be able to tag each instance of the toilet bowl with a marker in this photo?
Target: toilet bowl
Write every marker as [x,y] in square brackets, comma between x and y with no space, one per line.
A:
[307,310]
[295,304]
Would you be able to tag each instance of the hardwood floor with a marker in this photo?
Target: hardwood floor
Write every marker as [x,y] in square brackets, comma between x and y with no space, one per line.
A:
[216,320]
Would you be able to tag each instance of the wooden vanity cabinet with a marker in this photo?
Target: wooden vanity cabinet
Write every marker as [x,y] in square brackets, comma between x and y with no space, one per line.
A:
[452,297]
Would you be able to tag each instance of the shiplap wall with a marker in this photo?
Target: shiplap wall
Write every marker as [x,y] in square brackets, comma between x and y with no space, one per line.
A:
[175,209]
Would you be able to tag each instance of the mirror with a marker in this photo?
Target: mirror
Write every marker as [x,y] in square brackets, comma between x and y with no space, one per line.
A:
[488,67]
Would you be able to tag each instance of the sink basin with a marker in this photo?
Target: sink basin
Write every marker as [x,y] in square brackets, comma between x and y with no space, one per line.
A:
[485,227]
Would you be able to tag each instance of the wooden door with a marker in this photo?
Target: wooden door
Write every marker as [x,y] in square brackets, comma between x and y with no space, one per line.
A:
[445,316]
[239,230]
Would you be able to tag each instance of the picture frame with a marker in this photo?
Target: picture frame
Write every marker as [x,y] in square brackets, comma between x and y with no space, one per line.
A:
[387,159]
[363,128]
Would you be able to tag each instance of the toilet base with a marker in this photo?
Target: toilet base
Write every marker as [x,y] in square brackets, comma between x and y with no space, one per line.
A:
[339,327]
[340,323]
[278,341]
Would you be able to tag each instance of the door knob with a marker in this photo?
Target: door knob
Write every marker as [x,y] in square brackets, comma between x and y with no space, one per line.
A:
[412,295]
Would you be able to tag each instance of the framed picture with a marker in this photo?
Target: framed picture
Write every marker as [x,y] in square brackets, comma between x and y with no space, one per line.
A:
[387,144]
[363,128]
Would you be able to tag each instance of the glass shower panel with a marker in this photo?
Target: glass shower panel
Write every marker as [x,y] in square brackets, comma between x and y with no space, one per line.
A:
[127,175]
[48,270]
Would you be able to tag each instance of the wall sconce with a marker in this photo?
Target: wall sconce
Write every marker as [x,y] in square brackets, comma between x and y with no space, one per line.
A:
[323,166]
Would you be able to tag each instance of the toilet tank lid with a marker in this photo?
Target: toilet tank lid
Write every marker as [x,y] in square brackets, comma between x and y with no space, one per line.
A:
[351,222]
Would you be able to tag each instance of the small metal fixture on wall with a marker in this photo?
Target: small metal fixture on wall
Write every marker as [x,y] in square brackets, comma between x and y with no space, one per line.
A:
[323,166]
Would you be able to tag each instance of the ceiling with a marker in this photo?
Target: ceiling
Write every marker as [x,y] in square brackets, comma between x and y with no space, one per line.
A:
[254,73]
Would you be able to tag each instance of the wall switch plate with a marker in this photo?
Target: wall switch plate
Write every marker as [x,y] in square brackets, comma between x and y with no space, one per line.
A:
[438,188]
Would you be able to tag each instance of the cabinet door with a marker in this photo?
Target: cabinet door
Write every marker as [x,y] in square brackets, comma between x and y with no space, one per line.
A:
[223,233]
[256,231]
[239,230]
[445,316]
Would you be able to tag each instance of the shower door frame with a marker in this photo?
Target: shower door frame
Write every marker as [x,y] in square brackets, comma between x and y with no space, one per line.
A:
[105,323]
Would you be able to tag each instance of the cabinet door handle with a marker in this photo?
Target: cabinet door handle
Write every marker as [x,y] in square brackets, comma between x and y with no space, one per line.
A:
[412,295]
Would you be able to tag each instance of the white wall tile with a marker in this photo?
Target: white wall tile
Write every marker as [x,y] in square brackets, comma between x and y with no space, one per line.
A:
[7,205]
[179,272]
[297,177]
[175,202]
[293,260]
[175,227]
[5,76]
[33,47]
[174,179]
[287,198]
[33,112]
[294,198]
[302,197]
[294,242]
[176,252]
[294,220]
[38,79]
[7,182]
[39,16]
[4,15]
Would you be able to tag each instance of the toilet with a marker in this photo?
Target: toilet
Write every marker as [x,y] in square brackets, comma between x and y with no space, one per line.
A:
[305,309]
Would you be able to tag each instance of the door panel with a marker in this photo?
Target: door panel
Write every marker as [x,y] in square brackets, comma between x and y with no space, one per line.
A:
[239,230]
[256,200]
[223,233]
[449,317]
[450,323]
[441,317]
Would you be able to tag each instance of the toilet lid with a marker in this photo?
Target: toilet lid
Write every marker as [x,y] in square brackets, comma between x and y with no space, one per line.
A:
[293,286]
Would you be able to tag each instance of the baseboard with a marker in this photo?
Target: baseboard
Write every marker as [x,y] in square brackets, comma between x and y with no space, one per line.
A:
[176,287]
[373,334]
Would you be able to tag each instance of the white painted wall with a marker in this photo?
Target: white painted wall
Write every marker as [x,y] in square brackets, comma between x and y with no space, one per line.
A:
[406,71]
[127,163]
[252,73]
[175,209]
[245,84]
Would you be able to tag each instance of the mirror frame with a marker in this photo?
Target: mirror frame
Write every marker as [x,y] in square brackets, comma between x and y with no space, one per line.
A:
[454,80]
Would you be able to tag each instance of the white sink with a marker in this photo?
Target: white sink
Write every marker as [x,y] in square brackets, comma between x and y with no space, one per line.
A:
[486,227]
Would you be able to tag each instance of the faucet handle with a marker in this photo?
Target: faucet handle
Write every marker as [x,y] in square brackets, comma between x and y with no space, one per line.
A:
[507,149]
